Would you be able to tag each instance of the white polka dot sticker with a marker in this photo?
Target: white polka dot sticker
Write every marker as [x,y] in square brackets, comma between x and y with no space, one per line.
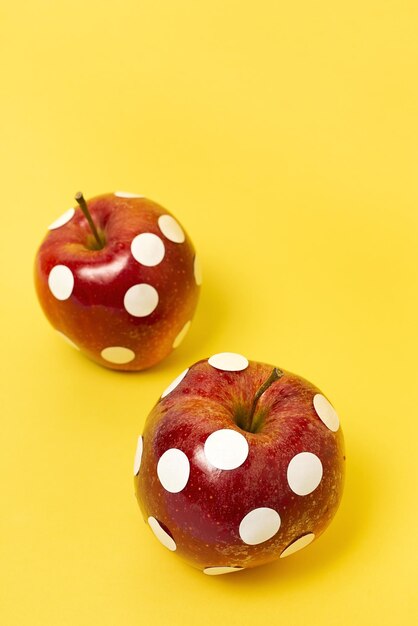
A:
[67,340]
[61,282]
[197,271]
[304,473]
[127,194]
[141,300]
[138,455]
[215,571]
[174,384]
[171,229]
[63,219]
[326,412]
[177,341]
[173,470]
[226,449]
[297,545]
[259,525]
[148,249]
[228,361]
[162,536]
[118,355]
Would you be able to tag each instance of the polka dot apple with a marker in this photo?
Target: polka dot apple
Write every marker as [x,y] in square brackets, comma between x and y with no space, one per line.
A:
[119,279]
[239,464]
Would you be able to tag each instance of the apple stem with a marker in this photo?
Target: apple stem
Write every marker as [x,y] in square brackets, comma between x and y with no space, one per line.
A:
[275,375]
[83,206]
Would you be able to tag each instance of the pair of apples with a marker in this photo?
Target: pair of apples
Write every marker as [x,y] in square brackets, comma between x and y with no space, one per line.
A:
[240,463]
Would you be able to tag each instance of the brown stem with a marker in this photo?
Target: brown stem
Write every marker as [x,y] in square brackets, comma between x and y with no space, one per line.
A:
[83,206]
[275,375]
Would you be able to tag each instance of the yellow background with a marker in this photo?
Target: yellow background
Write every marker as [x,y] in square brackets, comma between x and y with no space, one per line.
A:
[283,135]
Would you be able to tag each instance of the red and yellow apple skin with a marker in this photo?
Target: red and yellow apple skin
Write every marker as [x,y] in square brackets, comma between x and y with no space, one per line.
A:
[128,304]
[277,496]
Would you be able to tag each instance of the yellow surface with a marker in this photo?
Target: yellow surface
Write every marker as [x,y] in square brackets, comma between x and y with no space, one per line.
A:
[284,137]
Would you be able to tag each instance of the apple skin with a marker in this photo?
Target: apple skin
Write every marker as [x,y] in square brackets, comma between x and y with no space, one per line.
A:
[203,519]
[94,316]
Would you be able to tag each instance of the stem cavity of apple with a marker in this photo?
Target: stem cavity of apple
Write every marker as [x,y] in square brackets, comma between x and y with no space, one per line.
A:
[83,206]
[250,426]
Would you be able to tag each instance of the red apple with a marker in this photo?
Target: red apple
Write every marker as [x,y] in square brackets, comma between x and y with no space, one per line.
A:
[119,278]
[239,464]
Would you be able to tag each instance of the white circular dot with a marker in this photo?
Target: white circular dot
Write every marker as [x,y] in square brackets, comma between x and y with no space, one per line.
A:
[174,384]
[197,270]
[259,525]
[127,194]
[304,473]
[63,219]
[61,282]
[148,249]
[226,449]
[118,355]
[177,341]
[171,229]
[215,571]
[228,361]
[173,469]
[138,455]
[298,544]
[67,340]
[162,536]
[141,300]
[326,412]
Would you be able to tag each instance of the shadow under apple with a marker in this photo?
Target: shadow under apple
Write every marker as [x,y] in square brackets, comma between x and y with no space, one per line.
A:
[211,316]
